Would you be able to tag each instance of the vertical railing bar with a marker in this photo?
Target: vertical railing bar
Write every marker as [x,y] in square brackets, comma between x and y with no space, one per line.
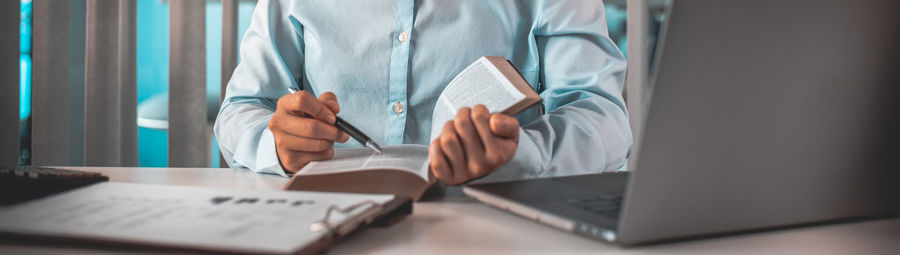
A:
[102,93]
[50,90]
[188,131]
[229,49]
[9,83]
[57,123]
[77,32]
[127,83]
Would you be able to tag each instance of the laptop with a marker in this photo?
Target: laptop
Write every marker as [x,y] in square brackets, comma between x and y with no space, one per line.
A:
[764,114]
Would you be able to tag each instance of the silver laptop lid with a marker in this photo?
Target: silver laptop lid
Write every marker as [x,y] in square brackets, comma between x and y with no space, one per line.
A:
[768,113]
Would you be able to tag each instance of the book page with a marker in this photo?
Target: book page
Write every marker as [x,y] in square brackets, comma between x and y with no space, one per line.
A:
[480,83]
[412,158]
[233,220]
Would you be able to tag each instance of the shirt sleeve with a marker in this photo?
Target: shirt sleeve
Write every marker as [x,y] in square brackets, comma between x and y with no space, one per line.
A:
[585,128]
[271,59]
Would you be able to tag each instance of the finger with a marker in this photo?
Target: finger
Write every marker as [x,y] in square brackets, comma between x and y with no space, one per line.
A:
[465,129]
[301,144]
[481,119]
[344,137]
[309,128]
[439,166]
[451,147]
[505,126]
[330,101]
[306,157]
[286,158]
[303,103]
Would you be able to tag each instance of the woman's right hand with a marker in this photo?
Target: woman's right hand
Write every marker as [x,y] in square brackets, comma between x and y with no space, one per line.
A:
[304,131]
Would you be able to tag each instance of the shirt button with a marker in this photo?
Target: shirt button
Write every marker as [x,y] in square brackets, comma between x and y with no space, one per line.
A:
[403,37]
[398,108]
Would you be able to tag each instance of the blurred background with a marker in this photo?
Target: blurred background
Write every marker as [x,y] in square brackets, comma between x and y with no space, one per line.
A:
[152,67]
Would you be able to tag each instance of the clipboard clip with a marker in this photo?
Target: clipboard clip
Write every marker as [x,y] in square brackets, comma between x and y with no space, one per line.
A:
[325,222]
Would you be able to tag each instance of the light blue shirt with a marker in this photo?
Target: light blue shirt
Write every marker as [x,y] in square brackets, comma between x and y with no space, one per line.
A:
[376,54]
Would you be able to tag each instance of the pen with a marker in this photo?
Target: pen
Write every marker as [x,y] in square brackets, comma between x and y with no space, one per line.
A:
[351,130]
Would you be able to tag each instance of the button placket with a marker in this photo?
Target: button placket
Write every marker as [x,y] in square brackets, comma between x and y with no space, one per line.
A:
[399,71]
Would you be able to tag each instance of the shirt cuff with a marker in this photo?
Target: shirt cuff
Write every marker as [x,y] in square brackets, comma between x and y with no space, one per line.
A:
[525,164]
[267,157]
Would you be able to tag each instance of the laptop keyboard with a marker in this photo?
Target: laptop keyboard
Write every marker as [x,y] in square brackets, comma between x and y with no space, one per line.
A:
[607,205]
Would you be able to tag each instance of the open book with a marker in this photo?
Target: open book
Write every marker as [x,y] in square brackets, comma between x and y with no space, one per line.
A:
[403,169]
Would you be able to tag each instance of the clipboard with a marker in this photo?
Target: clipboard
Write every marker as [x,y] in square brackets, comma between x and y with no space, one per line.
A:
[354,218]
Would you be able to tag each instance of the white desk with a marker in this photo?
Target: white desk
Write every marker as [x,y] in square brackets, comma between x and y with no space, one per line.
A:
[458,225]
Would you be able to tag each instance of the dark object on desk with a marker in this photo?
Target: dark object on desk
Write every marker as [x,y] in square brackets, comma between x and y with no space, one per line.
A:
[755,123]
[23,183]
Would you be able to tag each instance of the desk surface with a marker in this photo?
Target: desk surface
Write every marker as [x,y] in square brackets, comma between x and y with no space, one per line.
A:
[458,225]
